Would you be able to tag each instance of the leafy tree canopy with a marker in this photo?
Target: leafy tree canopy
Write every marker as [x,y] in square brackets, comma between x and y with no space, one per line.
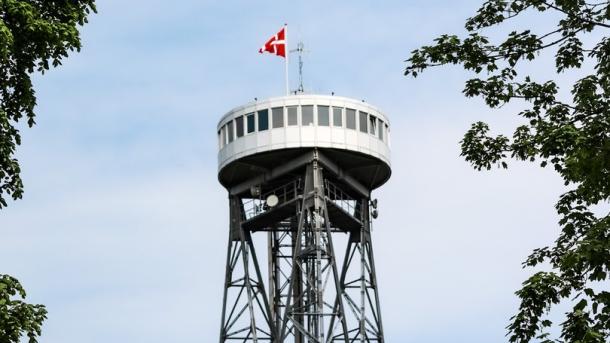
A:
[571,135]
[34,35]
[16,316]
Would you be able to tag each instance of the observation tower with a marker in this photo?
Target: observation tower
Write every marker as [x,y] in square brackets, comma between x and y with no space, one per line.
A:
[299,171]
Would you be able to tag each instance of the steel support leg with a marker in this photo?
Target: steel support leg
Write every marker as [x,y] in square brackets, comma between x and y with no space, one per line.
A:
[245,313]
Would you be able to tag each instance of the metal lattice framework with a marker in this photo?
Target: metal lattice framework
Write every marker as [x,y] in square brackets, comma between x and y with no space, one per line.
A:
[309,296]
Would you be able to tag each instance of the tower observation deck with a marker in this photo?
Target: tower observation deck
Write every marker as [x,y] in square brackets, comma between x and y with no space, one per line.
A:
[300,170]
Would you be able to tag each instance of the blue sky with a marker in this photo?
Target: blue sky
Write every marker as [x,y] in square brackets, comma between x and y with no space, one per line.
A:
[123,226]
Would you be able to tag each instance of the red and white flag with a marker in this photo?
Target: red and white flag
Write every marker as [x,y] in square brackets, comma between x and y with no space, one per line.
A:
[276,44]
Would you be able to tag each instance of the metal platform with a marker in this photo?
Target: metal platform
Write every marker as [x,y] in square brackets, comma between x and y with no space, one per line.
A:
[340,219]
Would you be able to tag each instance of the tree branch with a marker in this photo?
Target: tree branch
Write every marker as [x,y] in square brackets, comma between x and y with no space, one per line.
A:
[575,16]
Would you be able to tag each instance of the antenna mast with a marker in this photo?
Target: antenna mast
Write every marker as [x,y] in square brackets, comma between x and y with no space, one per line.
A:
[300,49]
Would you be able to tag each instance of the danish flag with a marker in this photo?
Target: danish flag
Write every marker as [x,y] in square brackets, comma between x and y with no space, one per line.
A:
[276,44]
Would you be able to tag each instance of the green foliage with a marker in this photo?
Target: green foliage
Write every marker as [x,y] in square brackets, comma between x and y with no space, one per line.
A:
[34,35]
[571,135]
[18,318]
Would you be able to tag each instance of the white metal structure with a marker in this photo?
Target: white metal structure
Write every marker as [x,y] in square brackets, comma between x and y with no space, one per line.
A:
[302,121]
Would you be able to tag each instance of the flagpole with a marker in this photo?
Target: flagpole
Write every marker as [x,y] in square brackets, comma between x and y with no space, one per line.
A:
[287,54]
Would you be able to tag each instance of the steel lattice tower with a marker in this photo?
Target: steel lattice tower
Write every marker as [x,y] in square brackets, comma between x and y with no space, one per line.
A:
[299,171]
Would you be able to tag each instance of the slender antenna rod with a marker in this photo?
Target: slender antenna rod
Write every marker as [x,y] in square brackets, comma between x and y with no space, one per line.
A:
[300,49]
[286,59]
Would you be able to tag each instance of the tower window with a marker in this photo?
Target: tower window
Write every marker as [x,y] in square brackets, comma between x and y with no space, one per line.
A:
[387,133]
[292,116]
[239,126]
[230,131]
[372,125]
[307,115]
[350,118]
[337,116]
[263,120]
[250,122]
[323,116]
[277,117]
[362,122]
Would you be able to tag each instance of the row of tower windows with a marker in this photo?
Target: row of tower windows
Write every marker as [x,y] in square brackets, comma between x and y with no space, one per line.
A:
[289,116]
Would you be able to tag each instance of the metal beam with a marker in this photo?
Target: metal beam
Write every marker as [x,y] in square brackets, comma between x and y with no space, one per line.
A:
[296,163]
[284,168]
[331,166]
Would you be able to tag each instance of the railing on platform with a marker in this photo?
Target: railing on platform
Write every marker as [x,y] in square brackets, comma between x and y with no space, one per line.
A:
[256,206]
[342,199]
